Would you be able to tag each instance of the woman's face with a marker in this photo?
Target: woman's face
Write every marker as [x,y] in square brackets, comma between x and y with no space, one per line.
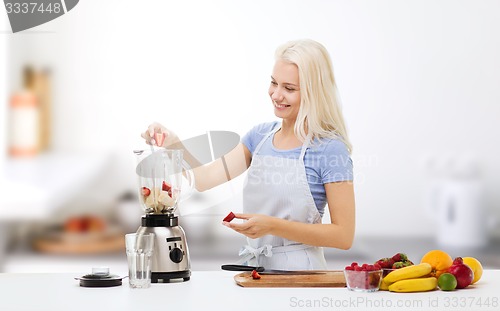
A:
[284,90]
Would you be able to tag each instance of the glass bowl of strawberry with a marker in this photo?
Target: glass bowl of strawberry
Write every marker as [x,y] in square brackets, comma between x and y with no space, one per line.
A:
[386,271]
[364,278]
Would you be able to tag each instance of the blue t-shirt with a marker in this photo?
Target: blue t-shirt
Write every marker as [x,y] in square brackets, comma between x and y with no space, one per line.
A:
[326,161]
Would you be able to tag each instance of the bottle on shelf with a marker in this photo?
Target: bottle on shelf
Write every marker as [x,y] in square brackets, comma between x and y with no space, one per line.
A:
[30,114]
[24,119]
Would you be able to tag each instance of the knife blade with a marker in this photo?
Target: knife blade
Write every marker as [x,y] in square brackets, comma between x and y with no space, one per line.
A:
[290,272]
[265,271]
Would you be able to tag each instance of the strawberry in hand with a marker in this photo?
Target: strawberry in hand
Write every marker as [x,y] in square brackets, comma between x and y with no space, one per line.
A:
[229,217]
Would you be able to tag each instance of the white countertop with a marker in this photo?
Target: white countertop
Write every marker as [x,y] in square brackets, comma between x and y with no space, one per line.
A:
[209,290]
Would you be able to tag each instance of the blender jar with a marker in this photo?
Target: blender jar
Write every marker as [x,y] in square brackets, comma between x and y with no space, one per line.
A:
[160,174]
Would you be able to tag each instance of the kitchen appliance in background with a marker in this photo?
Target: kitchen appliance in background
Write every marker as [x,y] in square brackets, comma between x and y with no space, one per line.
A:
[160,175]
[455,201]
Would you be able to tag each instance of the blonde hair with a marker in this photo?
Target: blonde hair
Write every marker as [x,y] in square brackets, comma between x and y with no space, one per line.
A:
[320,113]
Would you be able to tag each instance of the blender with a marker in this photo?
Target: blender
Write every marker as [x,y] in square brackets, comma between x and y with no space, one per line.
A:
[160,176]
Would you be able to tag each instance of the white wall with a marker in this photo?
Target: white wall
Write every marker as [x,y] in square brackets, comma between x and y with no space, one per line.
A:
[417,79]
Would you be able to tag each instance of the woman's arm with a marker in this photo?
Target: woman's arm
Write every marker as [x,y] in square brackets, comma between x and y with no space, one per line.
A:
[338,234]
[231,165]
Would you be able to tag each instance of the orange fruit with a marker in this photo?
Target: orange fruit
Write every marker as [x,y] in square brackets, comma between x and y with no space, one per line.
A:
[476,267]
[439,260]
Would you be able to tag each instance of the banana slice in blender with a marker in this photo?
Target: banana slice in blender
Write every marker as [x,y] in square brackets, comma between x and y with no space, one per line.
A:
[165,199]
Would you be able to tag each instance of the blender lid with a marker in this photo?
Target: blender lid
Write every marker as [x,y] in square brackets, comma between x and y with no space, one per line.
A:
[100,280]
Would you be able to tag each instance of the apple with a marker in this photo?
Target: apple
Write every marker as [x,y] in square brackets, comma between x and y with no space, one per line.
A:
[74,225]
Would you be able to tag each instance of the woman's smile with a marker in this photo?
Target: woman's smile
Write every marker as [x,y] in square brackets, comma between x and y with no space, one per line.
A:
[280,106]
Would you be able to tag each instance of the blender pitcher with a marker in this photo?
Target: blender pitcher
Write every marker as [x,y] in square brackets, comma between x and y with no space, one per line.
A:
[160,175]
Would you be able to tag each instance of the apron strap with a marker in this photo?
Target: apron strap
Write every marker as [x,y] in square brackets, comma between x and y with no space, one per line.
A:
[304,148]
[305,145]
[274,130]
[250,255]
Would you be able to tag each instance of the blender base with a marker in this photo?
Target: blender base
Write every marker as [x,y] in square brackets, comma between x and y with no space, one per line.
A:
[168,277]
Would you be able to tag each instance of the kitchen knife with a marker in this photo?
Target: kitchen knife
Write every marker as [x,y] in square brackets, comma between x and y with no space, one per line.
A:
[265,271]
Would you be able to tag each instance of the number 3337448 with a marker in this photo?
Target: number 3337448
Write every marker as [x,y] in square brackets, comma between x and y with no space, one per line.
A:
[33,8]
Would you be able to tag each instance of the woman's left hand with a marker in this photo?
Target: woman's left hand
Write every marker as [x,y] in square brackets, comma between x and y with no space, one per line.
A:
[255,226]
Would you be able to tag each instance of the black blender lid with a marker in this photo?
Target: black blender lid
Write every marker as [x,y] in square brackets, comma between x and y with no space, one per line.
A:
[100,280]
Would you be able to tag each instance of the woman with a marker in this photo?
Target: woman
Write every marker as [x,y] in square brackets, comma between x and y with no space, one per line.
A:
[295,167]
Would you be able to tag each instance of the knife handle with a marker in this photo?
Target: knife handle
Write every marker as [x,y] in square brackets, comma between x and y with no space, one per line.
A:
[241,268]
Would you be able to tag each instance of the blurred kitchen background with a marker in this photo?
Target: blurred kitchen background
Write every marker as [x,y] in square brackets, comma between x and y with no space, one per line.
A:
[419,82]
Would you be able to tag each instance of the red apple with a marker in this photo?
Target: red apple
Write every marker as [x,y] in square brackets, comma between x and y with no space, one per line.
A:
[462,273]
[74,225]
[95,224]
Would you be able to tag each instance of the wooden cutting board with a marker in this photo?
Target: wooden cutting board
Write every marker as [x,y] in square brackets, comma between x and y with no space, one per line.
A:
[59,242]
[330,278]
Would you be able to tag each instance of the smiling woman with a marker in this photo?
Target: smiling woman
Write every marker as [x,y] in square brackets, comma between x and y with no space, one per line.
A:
[293,167]
[310,61]
[284,219]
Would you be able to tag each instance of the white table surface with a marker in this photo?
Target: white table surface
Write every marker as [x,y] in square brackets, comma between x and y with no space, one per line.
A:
[216,290]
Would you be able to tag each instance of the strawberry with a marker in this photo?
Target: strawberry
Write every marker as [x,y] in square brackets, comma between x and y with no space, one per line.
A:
[167,187]
[159,138]
[255,275]
[373,280]
[401,264]
[145,191]
[229,217]
[399,257]
[385,263]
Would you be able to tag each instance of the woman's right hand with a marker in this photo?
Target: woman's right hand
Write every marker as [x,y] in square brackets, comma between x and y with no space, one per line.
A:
[156,128]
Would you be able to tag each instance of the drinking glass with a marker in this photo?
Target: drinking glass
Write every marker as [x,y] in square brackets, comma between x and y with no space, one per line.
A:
[139,249]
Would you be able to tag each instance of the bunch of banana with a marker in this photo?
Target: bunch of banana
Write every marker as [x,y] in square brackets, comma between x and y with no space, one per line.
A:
[414,285]
[410,279]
